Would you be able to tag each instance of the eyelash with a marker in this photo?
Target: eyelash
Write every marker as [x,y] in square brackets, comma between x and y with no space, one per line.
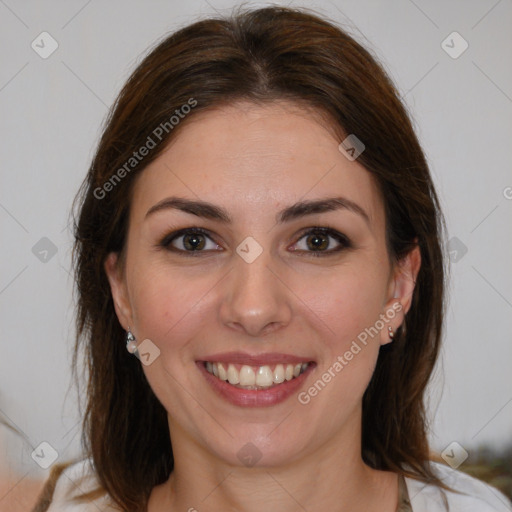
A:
[343,240]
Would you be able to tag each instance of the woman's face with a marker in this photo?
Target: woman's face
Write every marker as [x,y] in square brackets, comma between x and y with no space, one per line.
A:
[284,268]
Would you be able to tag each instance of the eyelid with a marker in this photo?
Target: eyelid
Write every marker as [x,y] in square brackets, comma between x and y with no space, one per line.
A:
[342,239]
[165,242]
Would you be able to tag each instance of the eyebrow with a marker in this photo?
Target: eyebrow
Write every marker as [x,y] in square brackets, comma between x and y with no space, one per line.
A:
[298,210]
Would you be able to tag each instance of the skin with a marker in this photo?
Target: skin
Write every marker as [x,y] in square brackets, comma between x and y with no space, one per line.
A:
[254,161]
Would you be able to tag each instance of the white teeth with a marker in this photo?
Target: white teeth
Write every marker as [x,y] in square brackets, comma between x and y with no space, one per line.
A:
[264,376]
[222,372]
[233,376]
[279,374]
[253,378]
[247,376]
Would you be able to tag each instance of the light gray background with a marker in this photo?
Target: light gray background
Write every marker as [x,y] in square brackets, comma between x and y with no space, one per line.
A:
[51,114]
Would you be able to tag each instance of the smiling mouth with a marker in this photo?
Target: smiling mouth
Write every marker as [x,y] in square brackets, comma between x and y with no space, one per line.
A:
[255,377]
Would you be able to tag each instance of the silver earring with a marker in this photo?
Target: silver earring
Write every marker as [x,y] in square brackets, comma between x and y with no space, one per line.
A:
[391,333]
[131,343]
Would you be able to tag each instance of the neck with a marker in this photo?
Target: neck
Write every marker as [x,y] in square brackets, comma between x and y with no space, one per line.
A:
[332,477]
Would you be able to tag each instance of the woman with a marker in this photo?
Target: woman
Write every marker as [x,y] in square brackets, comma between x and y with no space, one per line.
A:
[261,284]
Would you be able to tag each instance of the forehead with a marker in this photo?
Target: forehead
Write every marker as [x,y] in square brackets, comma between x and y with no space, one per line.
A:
[253,159]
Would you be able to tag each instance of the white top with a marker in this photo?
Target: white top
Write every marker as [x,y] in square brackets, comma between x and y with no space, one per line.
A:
[478,497]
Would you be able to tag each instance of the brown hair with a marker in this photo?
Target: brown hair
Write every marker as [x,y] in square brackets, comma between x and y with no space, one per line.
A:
[261,55]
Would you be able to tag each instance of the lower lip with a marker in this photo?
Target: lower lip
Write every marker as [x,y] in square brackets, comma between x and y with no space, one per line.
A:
[255,397]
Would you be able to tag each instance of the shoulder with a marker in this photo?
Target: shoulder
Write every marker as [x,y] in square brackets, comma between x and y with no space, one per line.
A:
[77,479]
[475,495]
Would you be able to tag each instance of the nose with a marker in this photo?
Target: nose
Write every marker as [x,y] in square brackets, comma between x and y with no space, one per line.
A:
[255,299]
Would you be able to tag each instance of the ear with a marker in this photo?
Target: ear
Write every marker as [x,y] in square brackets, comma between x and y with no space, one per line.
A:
[119,291]
[400,292]
[404,278]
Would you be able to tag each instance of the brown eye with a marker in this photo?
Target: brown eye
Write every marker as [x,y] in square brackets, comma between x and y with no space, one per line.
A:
[189,241]
[317,242]
[322,242]
[193,242]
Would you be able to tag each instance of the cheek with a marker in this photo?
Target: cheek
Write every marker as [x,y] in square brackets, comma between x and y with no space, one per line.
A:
[168,310]
[346,309]
[345,304]
[167,305]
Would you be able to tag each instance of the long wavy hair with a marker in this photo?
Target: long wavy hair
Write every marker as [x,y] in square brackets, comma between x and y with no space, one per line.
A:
[261,55]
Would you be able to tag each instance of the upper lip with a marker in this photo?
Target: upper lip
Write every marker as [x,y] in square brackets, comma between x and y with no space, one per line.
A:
[256,359]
